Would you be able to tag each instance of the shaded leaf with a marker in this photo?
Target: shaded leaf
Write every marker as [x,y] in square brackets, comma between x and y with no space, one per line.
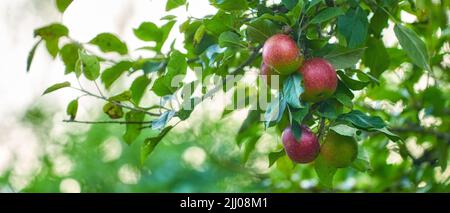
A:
[292,89]
[150,143]
[327,14]
[274,156]
[376,57]
[325,172]
[230,39]
[132,129]
[414,47]
[354,26]
[363,121]
[341,57]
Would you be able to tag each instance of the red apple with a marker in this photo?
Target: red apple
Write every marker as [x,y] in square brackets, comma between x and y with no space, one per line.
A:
[319,79]
[280,52]
[303,151]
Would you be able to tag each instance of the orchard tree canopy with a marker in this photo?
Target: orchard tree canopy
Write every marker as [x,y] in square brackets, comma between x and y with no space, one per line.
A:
[355,77]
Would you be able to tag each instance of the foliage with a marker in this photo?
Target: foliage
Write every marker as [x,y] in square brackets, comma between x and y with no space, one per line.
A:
[379,84]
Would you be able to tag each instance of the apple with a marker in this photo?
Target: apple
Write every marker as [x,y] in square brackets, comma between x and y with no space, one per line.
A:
[280,52]
[304,150]
[339,150]
[319,79]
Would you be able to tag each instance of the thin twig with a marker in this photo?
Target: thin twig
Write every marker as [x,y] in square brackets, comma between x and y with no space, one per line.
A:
[106,122]
[117,103]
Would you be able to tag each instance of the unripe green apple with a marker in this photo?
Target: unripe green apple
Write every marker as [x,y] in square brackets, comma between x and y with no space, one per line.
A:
[304,150]
[339,150]
[319,79]
[280,52]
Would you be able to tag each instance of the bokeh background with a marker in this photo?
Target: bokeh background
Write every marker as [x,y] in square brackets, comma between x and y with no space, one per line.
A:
[40,153]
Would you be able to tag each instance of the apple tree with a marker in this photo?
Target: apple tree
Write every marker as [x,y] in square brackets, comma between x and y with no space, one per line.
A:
[339,76]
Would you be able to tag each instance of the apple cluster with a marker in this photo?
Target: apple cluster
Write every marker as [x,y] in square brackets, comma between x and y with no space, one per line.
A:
[282,56]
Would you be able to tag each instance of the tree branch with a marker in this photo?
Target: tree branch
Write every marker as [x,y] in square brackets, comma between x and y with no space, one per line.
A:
[117,103]
[106,122]
[423,130]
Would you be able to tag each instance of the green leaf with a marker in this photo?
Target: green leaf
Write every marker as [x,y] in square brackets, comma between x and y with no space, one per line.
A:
[56,87]
[344,130]
[108,42]
[344,95]
[72,109]
[230,5]
[378,22]
[443,155]
[292,89]
[296,131]
[328,109]
[220,23]
[274,156]
[177,65]
[51,34]
[259,30]
[152,66]
[274,111]
[362,163]
[249,147]
[150,143]
[172,4]
[69,55]
[230,39]
[162,121]
[62,5]
[392,136]
[31,54]
[138,88]
[110,75]
[52,47]
[376,56]
[113,111]
[352,83]
[148,31]
[290,4]
[354,27]
[312,3]
[250,128]
[414,47]
[133,129]
[341,57]
[325,172]
[299,114]
[124,96]
[327,14]
[165,31]
[198,36]
[88,65]
[362,121]
[52,31]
